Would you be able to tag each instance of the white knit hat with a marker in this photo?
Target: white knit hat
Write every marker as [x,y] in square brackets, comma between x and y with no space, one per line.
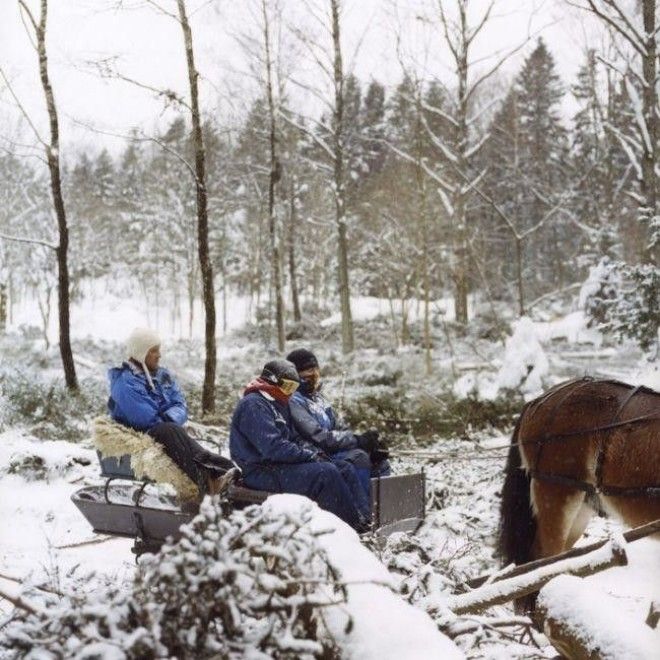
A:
[138,344]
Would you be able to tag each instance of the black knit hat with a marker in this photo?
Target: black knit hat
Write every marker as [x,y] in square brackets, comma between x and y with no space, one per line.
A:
[275,370]
[303,359]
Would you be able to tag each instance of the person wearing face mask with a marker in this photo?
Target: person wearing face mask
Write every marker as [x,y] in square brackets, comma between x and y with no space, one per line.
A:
[316,422]
[264,444]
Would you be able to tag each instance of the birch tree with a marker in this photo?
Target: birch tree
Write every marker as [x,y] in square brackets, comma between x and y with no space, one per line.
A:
[206,268]
[52,150]
[329,135]
[455,173]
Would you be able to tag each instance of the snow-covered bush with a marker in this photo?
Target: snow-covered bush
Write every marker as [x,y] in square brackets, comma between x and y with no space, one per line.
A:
[47,407]
[624,300]
[250,585]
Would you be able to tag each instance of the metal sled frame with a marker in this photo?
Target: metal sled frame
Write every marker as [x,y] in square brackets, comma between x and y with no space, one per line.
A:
[398,505]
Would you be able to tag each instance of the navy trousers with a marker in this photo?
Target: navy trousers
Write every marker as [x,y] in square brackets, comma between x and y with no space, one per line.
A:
[198,463]
[334,486]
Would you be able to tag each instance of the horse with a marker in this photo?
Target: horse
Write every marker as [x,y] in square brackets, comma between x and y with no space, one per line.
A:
[585,446]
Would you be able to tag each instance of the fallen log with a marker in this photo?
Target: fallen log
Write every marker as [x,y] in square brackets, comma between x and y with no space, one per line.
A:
[631,535]
[495,593]
[583,623]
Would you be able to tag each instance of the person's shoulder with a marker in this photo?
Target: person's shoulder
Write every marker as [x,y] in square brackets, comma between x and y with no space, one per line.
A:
[254,402]
[298,398]
[117,373]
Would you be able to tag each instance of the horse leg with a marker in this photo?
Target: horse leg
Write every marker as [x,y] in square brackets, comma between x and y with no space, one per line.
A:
[584,515]
[558,516]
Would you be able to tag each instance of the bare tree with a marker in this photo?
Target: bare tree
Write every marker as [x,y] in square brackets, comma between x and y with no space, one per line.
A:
[208,291]
[637,31]
[52,150]
[340,183]
[329,135]
[455,171]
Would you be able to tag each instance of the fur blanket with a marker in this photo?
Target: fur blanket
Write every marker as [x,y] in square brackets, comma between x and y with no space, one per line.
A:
[148,458]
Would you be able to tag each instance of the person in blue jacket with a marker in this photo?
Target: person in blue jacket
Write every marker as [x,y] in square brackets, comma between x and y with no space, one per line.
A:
[145,397]
[315,420]
[264,445]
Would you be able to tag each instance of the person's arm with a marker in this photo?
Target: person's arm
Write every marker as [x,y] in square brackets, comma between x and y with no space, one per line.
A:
[310,429]
[133,400]
[177,409]
[270,436]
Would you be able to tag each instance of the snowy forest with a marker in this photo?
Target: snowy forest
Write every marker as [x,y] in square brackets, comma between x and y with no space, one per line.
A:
[453,203]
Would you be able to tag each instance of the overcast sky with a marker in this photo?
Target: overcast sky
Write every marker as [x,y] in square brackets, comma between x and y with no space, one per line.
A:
[148,47]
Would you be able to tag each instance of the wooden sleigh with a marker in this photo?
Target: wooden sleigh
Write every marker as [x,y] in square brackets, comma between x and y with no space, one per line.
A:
[129,506]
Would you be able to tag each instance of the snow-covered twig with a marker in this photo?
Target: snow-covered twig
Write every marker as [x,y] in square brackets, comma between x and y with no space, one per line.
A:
[612,554]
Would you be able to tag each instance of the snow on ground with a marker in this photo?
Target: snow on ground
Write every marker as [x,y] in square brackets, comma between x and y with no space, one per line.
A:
[384,625]
[37,517]
[40,528]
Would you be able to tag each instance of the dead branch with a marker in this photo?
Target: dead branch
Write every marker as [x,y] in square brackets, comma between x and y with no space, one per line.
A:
[19,602]
[630,536]
[511,588]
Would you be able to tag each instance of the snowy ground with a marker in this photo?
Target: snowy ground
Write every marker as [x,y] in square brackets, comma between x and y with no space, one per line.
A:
[44,539]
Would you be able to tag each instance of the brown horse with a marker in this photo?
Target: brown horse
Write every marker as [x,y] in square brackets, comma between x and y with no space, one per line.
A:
[584,446]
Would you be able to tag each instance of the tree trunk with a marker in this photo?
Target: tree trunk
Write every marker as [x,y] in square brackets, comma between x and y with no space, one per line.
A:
[272,181]
[293,276]
[3,308]
[340,192]
[208,291]
[53,159]
[519,271]
[649,100]
[460,204]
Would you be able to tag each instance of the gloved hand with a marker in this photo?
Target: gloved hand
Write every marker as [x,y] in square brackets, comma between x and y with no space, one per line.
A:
[368,441]
[378,455]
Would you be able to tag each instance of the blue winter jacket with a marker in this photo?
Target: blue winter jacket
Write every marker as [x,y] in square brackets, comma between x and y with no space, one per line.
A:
[133,403]
[316,422]
[262,434]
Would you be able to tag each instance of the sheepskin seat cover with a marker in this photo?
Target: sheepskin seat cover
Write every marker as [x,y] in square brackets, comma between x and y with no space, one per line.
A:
[148,458]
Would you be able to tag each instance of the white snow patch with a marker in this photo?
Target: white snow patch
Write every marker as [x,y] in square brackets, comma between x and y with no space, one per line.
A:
[524,367]
[37,517]
[596,618]
[384,625]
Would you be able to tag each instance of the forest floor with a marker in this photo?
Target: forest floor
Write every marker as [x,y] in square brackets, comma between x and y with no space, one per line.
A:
[46,454]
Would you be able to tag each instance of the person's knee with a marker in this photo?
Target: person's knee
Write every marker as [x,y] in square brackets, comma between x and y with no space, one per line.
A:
[327,472]
[359,458]
[165,429]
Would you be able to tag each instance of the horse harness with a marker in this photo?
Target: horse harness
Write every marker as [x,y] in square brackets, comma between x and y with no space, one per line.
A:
[593,490]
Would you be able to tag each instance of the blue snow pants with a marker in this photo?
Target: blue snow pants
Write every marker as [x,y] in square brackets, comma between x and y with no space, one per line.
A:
[334,486]
[363,467]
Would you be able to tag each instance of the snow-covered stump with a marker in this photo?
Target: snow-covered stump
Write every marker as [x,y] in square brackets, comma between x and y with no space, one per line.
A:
[584,623]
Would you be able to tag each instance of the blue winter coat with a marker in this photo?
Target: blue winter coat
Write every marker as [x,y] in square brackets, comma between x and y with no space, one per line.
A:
[133,403]
[261,433]
[315,420]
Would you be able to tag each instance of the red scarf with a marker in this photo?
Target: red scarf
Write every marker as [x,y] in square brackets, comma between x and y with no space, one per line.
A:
[261,385]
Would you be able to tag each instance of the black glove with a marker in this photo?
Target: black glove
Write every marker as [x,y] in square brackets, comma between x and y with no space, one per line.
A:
[378,455]
[368,441]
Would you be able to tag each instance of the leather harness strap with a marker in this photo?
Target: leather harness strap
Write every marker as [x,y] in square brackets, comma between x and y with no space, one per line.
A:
[591,489]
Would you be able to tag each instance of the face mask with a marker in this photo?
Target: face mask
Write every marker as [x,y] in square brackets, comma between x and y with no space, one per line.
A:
[288,386]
